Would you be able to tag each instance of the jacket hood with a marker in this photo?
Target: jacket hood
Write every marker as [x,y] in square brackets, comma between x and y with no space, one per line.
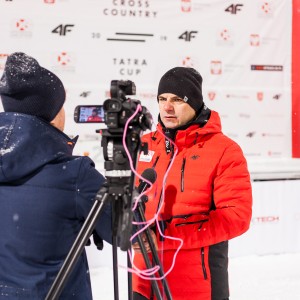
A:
[27,143]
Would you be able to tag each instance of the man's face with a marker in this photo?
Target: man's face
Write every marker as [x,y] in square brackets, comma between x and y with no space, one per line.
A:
[174,112]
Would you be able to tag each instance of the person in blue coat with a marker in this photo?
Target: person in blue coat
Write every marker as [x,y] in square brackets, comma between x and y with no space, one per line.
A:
[46,193]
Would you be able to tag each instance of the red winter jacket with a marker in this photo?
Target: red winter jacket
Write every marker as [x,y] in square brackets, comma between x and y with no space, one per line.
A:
[207,201]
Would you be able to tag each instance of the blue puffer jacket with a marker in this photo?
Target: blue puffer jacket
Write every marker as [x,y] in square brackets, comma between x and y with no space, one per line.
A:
[45,196]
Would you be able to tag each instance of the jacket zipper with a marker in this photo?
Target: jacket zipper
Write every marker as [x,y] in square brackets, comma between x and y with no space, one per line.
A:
[190,223]
[203,264]
[182,174]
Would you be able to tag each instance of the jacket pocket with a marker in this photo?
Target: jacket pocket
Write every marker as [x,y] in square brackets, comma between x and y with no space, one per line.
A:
[200,222]
[203,263]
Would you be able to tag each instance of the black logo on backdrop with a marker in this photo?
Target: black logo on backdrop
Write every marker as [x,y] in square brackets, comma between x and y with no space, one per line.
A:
[63,29]
[188,35]
[130,37]
[267,68]
[234,8]
[250,134]
[85,94]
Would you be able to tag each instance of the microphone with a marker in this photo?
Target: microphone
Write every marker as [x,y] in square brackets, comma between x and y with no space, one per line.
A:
[150,175]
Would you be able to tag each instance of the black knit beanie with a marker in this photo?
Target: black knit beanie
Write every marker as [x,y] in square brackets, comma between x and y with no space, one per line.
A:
[28,88]
[186,83]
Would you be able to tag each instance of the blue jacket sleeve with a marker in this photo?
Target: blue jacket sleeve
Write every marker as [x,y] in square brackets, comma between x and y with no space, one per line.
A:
[89,181]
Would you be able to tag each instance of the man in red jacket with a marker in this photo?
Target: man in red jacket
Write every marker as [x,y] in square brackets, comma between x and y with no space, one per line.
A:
[206,199]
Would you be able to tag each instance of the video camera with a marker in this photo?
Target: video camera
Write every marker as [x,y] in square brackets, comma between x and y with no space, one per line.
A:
[115,111]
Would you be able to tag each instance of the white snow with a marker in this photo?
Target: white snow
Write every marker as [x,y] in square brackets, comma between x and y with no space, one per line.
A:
[8,150]
[271,277]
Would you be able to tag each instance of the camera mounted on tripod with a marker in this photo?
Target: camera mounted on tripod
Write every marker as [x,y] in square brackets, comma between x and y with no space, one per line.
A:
[120,179]
[119,114]
[119,109]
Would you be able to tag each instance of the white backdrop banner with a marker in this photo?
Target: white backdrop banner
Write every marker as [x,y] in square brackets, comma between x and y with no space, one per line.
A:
[242,49]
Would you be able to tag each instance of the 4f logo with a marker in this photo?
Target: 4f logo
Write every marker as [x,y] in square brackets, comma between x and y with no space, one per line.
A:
[63,29]
[234,8]
[188,35]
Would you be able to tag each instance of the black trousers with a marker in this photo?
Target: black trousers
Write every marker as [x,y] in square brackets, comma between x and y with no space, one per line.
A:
[137,296]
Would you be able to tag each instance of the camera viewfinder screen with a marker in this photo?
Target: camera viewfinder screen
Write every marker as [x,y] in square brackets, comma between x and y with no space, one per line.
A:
[90,114]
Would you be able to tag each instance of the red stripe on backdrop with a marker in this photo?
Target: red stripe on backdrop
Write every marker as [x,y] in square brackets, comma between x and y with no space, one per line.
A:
[296,79]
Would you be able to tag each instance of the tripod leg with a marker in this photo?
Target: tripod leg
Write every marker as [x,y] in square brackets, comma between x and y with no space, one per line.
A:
[129,276]
[77,247]
[115,268]
[148,265]
[141,216]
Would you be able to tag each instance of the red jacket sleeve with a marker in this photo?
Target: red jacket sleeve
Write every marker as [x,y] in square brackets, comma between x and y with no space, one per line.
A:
[232,196]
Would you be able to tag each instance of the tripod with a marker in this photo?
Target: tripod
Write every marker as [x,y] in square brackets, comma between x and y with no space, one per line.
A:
[105,195]
[117,191]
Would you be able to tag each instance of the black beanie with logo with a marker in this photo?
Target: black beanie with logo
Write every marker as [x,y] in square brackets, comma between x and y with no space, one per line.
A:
[28,88]
[184,82]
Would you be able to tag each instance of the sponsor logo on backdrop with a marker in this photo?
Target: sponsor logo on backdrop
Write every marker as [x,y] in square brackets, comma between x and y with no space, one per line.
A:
[62,30]
[237,96]
[244,116]
[272,135]
[260,96]
[273,116]
[251,134]
[266,220]
[225,37]
[234,8]
[21,28]
[130,9]
[130,66]
[85,94]
[130,37]
[188,62]
[3,57]
[267,68]
[188,35]
[232,135]
[186,5]
[266,9]
[254,40]
[64,62]
[146,95]
[233,68]
[54,1]
[253,154]
[274,153]
[96,35]
[277,96]
[211,96]
[216,67]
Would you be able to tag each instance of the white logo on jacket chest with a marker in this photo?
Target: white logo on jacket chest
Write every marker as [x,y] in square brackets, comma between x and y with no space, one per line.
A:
[146,157]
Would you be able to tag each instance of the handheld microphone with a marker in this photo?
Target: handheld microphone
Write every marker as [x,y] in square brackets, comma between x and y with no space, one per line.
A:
[150,175]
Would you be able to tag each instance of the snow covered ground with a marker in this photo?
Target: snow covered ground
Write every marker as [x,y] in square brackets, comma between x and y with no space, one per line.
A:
[270,277]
